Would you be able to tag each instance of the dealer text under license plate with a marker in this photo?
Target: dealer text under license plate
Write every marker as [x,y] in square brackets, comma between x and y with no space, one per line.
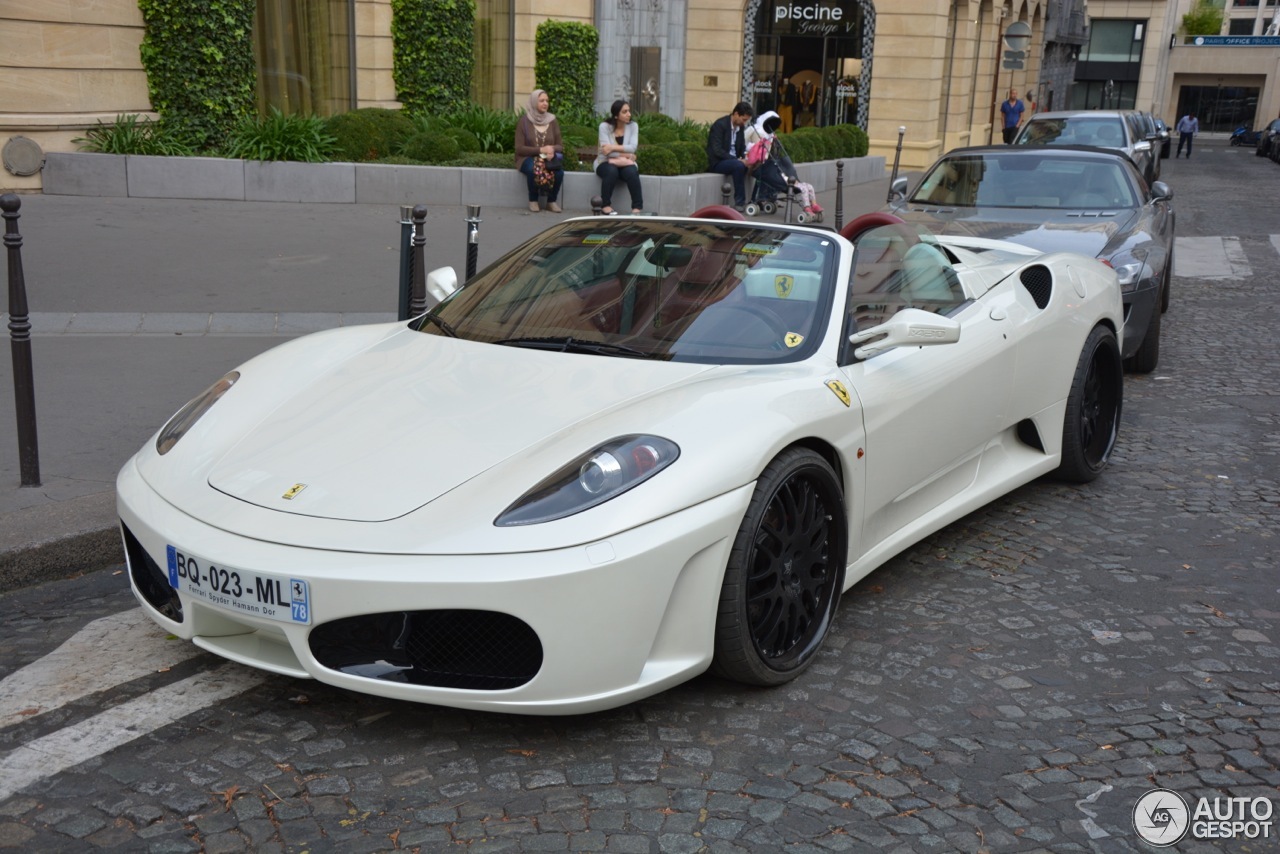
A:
[285,600]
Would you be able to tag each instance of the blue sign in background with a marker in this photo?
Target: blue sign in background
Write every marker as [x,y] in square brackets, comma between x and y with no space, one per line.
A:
[1236,41]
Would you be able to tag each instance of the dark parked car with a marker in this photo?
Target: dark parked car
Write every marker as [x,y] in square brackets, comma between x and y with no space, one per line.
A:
[1165,135]
[1089,200]
[1124,130]
[1269,141]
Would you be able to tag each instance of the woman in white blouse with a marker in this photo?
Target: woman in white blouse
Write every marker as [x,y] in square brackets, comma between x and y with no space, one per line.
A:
[616,157]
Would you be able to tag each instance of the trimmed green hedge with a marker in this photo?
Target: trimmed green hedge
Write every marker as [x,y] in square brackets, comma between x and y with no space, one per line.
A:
[370,133]
[565,59]
[433,53]
[658,160]
[199,62]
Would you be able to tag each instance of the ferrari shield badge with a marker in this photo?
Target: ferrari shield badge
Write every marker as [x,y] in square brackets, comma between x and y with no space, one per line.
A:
[783,285]
[840,391]
[292,492]
[793,339]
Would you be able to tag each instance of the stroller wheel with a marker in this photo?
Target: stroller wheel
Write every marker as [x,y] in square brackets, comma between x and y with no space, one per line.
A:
[803,217]
[752,209]
[769,207]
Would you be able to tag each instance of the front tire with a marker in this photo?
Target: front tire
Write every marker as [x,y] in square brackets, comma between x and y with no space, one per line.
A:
[785,573]
[1092,421]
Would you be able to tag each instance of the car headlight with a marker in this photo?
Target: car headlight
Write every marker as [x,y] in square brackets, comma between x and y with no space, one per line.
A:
[188,415]
[591,479]
[1130,267]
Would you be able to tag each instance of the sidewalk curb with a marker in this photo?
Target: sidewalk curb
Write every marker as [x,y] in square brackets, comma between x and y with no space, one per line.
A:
[59,540]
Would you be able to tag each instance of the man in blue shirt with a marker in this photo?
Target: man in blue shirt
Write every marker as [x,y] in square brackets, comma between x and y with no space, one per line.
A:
[1012,110]
[1188,127]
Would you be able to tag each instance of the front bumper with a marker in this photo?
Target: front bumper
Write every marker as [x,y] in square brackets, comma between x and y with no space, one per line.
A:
[617,619]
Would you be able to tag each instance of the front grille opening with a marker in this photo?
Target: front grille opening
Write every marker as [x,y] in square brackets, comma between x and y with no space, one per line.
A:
[152,581]
[1039,283]
[446,648]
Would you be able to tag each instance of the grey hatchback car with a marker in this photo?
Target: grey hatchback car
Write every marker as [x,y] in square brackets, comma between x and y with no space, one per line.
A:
[1125,130]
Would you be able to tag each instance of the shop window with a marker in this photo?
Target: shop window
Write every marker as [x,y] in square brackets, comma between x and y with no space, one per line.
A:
[491,79]
[303,50]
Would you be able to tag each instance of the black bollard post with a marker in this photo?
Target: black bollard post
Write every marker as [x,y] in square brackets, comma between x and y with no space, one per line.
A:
[786,216]
[897,155]
[839,194]
[597,206]
[473,239]
[406,260]
[726,192]
[24,387]
[418,292]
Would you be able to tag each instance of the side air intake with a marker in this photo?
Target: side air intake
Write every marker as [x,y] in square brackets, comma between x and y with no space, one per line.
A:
[1039,283]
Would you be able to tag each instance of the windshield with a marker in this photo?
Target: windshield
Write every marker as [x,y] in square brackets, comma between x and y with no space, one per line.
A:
[1022,180]
[693,291]
[1102,131]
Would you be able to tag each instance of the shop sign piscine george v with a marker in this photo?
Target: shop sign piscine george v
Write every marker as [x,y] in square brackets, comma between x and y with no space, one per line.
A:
[821,18]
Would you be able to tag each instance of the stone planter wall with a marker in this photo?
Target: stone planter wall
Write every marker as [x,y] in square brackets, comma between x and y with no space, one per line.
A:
[68,174]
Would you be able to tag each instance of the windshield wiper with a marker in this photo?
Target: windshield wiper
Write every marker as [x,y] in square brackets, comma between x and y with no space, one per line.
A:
[445,326]
[566,344]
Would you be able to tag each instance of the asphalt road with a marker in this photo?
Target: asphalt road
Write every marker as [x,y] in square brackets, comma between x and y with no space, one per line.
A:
[1014,683]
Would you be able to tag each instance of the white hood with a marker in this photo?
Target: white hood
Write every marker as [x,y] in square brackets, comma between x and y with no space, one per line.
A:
[419,415]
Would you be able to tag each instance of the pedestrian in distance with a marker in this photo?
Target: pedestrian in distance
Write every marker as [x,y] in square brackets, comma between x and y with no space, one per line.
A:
[540,151]
[727,150]
[616,157]
[1188,127]
[1012,110]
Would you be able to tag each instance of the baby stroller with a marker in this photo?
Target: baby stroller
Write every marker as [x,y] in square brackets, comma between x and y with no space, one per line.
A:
[776,176]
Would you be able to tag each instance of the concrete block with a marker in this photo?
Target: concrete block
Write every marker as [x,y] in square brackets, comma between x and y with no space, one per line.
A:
[504,188]
[378,183]
[299,182]
[185,178]
[75,174]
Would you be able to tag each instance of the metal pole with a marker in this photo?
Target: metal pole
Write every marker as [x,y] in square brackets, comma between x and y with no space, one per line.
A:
[473,239]
[597,205]
[839,194]
[418,293]
[786,216]
[897,156]
[24,387]
[726,191]
[406,260]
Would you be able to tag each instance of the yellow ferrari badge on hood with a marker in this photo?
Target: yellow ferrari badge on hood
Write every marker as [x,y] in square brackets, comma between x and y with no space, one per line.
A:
[840,391]
[292,492]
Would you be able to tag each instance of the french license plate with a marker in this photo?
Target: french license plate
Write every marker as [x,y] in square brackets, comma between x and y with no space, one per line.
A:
[285,600]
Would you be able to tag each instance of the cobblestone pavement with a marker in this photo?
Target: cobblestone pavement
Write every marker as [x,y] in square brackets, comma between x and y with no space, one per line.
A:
[1014,683]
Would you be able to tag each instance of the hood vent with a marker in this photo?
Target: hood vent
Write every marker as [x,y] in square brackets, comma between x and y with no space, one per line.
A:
[1039,283]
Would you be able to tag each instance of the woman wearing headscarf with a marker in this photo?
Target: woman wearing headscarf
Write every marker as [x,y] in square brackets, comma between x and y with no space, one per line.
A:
[618,138]
[538,136]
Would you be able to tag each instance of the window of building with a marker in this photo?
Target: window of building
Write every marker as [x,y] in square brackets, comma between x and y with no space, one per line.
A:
[1219,108]
[303,50]
[492,78]
[1110,66]
[1241,26]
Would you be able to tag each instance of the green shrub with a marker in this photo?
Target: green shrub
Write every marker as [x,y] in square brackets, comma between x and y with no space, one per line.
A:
[484,160]
[816,140]
[658,135]
[846,141]
[798,147]
[468,142]
[277,136]
[494,129]
[565,58]
[433,52]
[579,136]
[199,63]
[686,130]
[656,160]
[860,140]
[399,160]
[691,156]
[432,148]
[133,134]
[370,133]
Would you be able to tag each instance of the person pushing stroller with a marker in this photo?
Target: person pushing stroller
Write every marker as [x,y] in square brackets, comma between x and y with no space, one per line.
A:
[773,170]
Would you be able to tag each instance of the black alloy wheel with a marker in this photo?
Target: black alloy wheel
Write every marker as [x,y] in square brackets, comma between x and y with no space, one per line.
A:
[785,573]
[1092,420]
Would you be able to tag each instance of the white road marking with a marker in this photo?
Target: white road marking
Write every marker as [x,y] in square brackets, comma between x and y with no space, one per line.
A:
[107,652]
[1210,258]
[120,725]
[1275,243]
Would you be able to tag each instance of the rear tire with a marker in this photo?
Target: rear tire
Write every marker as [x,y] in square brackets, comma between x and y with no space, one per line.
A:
[1092,420]
[785,573]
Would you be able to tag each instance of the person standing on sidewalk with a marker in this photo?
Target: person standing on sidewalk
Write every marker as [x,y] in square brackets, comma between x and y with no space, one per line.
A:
[1012,111]
[727,150]
[1188,127]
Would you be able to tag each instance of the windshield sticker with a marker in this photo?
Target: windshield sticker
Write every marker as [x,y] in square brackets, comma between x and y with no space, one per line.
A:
[793,340]
[758,249]
[595,239]
[783,284]
[840,391]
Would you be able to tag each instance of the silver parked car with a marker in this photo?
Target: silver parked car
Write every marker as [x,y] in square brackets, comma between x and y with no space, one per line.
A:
[1126,130]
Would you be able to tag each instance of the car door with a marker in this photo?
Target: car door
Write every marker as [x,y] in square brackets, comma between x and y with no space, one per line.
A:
[929,412]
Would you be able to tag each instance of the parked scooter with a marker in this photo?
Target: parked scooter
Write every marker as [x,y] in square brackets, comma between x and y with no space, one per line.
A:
[1244,136]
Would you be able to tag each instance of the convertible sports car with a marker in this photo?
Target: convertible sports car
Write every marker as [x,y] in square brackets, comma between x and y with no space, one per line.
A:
[1069,198]
[629,450]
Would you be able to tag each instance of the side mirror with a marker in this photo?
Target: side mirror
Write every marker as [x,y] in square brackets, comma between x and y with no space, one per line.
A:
[441,284]
[1144,145]
[910,327]
[1161,192]
[898,189]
